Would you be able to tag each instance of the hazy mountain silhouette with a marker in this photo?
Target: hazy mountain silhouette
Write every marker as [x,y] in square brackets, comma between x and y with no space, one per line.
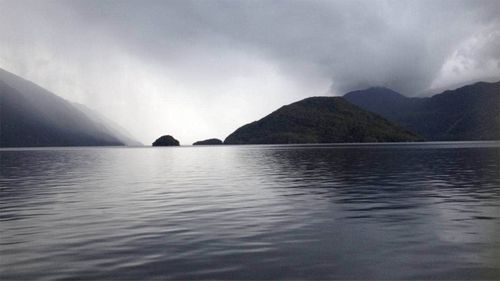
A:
[320,120]
[33,116]
[468,113]
[109,126]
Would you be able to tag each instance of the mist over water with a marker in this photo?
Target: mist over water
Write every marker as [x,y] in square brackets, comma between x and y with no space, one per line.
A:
[399,211]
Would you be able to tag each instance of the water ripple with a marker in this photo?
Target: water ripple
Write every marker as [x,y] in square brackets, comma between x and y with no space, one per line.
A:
[416,211]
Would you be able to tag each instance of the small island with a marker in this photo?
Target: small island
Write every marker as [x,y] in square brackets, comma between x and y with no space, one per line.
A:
[166,140]
[209,142]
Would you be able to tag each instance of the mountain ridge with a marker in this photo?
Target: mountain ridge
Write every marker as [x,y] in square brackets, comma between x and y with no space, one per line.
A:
[470,112]
[33,116]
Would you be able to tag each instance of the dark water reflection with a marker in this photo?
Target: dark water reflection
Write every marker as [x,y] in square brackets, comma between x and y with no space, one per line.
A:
[426,211]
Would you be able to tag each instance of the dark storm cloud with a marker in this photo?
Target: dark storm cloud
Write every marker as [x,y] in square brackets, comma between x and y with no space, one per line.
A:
[399,44]
[200,54]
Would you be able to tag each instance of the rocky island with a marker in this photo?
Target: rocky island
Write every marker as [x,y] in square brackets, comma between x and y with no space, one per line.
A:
[166,140]
[208,142]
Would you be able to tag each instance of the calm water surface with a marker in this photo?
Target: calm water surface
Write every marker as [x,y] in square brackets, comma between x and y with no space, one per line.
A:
[423,211]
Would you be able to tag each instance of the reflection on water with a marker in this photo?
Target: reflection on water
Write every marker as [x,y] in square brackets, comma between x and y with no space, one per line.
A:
[421,211]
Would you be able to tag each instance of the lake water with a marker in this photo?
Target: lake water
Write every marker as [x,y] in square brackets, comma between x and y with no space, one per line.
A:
[403,211]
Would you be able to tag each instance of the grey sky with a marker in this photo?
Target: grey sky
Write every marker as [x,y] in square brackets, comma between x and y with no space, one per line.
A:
[200,69]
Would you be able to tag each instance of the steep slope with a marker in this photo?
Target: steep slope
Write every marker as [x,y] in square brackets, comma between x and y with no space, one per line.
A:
[108,125]
[467,113]
[33,116]
[320,120]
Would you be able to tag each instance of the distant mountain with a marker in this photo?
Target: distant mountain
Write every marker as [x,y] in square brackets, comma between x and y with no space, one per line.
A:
[468,113]
[109,126]
[383,101]
[320,120]
[33,116]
